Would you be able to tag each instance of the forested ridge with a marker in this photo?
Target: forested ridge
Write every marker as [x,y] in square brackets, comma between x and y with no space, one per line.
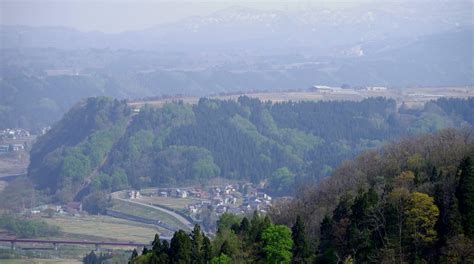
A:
[411,201]
[101,145]
[408,202]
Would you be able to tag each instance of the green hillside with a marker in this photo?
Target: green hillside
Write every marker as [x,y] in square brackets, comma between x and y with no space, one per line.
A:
[101,145]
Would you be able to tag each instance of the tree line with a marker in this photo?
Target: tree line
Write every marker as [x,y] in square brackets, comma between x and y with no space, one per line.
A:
[100,146]
[238,240]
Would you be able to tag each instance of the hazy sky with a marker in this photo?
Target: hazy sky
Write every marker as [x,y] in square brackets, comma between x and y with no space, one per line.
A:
[121,15]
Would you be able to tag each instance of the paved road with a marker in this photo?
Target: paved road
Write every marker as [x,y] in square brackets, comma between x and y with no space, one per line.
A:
[11,177]
[181,219]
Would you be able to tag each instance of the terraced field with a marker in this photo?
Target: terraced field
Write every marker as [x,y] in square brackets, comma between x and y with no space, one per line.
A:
[104,227]
[147,211]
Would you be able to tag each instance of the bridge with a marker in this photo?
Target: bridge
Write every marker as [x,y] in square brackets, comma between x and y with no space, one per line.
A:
[56,243]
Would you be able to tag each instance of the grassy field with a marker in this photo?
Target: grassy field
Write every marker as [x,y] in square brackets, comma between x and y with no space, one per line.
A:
[104,227]
[147,212]
[412,96]
[171,202]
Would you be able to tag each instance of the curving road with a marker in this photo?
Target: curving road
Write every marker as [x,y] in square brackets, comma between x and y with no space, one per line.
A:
[178,217]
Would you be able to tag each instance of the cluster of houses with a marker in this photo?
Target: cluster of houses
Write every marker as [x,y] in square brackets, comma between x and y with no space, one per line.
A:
[258,201]
[182,193]
[230,198]
[218,199]
[134,194]
[227,199]
[71,208]
[14,133]
[8,148]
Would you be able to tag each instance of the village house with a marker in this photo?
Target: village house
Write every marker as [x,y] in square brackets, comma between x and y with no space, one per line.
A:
[197,193]
[181,193]
[217,200]
[134,194]
[4,149]
[264,196]
[229,189]
[229,199]
[193,209]
[221,209]
[16,147]
[14,133]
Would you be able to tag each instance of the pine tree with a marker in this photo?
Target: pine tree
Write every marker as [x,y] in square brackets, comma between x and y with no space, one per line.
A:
[300,245]
[226,249]
[156,244]
[434,177]
[326,231]
[326,251]
[162,257]
[207,249]
[465,195]
[361,231]
[449,223]
[180,248]
[134,255]
[197,245]
[145,251]
[91,258]
[244,225]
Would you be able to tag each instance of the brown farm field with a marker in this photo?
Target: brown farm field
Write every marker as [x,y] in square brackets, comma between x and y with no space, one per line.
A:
[412,96]
[171,202]
[103,228]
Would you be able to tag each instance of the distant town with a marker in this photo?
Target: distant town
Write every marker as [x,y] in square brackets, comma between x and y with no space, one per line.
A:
[230,198]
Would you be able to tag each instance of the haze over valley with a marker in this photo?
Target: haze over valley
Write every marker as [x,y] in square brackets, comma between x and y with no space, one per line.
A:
[236,132]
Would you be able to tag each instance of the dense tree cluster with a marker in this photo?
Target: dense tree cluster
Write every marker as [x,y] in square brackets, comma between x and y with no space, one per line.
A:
[101,146]
[410,202]
[71,153]
[238,240]
[93,258]
[27,228]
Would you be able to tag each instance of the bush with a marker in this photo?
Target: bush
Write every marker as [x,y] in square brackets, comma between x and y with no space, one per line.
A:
[96,203]
[27,228]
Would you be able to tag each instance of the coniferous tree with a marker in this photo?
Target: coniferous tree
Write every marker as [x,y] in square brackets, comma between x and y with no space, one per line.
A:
[180,248]
[197,245]
[226,249]
[159,251]
[235,228]
[156,244]
[449,223]
[91,258]
[326,250]
[244,225]
[207,249]
[361,237]
[134,255]
[145,251]
[300,244]
[465,195]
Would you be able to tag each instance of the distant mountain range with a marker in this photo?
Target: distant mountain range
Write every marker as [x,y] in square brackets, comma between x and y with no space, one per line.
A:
[45,70]
[319,30]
